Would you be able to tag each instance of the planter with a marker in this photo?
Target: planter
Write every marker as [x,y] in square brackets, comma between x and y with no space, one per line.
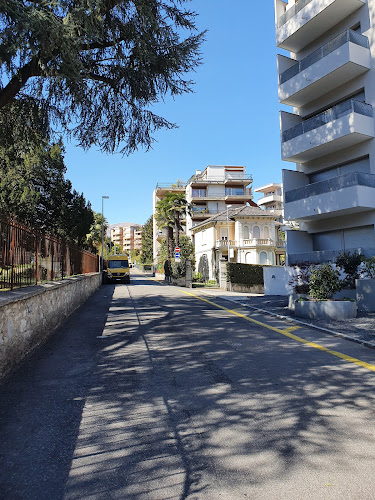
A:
[238,287]
[293,298]
[337,310]
[365,294]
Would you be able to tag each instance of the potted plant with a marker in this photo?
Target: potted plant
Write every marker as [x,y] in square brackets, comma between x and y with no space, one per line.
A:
[324,283]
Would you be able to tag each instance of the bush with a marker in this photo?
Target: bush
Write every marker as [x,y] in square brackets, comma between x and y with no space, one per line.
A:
[198,277]
[245,274]
[349,263]
[369,268]
[301,281]
[324,282]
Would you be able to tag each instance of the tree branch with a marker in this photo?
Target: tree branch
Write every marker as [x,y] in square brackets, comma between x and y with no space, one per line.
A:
[9,92]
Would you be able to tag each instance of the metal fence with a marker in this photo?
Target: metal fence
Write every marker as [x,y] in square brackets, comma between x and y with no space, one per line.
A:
[325,50]
[28,257]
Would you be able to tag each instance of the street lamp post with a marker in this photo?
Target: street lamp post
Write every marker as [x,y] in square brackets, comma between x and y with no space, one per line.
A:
[102,259]
[228,244]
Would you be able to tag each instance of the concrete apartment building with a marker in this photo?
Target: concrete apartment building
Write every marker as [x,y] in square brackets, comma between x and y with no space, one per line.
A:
[128,236]
[329,81]
[272,199]
[208,192]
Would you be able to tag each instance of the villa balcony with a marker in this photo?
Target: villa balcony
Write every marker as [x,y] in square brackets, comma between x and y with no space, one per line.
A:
[347,124]
[223,243]
[342,195]
[257,242]
[307,20]
[337,62]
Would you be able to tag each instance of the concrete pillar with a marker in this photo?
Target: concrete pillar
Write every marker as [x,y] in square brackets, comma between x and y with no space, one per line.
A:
[189,274]
[223,274]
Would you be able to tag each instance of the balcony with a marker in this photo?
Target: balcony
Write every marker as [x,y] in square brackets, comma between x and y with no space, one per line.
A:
[347,124]
[204,180]
[307,20]
[204,213]
[317,257]
[238,194]
[258,242]
[270,198]
[337,62]
[223,243]
[345,194]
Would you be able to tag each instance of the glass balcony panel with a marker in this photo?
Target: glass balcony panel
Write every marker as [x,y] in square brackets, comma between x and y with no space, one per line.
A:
[328,48]
[328,116]
[328,185]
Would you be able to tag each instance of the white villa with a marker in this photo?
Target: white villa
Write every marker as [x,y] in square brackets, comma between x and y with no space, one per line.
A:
[250,233]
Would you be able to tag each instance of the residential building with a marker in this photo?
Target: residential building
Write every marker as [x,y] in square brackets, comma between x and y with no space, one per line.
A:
[250,234]
[272,199]
[208,193]
[329,81]
[126,235]
[130,238]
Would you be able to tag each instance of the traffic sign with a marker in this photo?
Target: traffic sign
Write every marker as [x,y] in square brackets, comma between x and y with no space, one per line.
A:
[177,250]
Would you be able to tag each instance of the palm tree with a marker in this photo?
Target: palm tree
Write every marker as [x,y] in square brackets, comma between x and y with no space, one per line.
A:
[168,215]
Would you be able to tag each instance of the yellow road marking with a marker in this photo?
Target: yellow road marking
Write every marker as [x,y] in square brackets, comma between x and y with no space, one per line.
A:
[291,329]
[287,333]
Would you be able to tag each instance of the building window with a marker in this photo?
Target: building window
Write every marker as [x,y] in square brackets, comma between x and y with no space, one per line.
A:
[263,258]
[246,234]
[266,232]
[234,191]
[199,193]
[256,232]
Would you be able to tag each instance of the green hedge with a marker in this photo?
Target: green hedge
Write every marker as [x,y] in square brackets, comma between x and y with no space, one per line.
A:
[245,274]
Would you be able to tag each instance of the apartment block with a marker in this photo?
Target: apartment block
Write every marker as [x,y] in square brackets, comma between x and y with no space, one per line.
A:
[208,193]
[329,82]
[127,235]
[272,199]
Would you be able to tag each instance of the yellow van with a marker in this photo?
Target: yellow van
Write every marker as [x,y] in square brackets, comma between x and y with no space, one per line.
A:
[118,268]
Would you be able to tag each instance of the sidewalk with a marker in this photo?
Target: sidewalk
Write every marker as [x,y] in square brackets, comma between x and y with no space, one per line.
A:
[360,329]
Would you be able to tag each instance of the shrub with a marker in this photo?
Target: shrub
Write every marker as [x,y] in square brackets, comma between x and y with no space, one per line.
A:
[245,274]
[198,277]
[349,263]
[369,268]
[301,280]
[324,282]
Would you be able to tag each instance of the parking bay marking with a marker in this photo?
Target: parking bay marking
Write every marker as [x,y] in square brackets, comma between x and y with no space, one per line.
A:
[287,333]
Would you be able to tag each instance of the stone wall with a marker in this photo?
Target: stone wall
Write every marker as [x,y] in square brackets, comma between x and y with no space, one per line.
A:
[29,315]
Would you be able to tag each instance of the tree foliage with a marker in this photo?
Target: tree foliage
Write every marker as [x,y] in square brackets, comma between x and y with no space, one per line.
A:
[34,190]
[94,236]
[98,64]
[147,253]
[168,215]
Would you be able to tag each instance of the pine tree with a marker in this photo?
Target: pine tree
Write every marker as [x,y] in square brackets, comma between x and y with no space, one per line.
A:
[97,64]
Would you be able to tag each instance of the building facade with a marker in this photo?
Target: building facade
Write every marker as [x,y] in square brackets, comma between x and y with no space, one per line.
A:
[128,236]
[208,193]
[249,234]
[272,199]
[329,81]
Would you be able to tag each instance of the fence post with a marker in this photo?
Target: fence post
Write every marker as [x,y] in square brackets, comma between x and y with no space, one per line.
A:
[36,258]
[12,256]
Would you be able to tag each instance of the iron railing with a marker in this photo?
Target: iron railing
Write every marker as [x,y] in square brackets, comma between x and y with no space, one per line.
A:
[325,50]
[342,109]
[292,12]
[28,257]
[329,185]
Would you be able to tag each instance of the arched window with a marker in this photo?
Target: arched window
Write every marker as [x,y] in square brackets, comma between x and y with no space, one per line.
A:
[263,258]
[256,232]
[248,258]
[266,232]
[246,233]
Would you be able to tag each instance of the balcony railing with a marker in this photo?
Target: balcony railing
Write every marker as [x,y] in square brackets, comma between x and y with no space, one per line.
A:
[227,177]
[224,243]
[328,48]
[328,116]
[328,185]
[253,242]
[176,185]
[292,12]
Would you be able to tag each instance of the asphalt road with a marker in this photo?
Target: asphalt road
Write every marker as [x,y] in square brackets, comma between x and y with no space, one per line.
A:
[155,392]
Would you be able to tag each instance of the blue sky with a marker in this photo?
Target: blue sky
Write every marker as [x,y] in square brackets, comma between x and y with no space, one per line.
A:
[232,118]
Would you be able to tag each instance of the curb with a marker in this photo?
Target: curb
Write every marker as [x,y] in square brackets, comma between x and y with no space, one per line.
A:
[365,343]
